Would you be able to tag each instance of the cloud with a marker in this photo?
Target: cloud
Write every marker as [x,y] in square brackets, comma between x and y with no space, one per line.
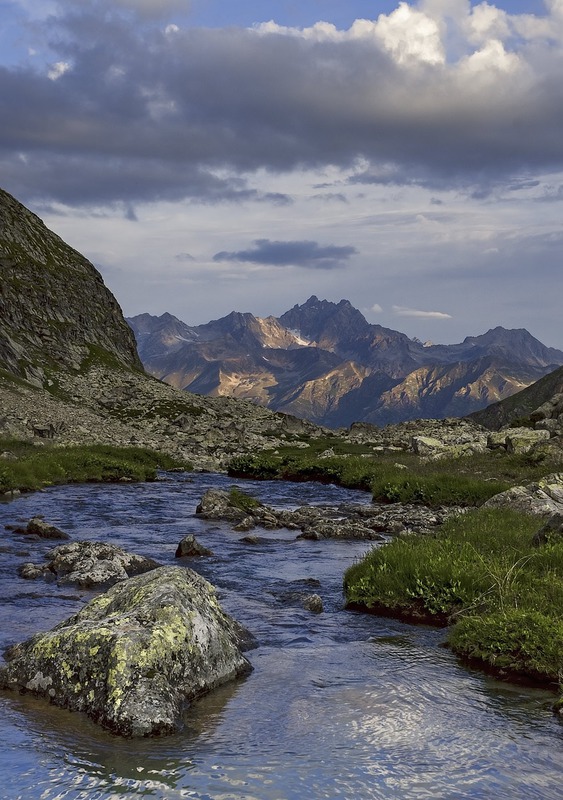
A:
[58,70]
[376,308]
[306,254]
[403,311]
[153,111]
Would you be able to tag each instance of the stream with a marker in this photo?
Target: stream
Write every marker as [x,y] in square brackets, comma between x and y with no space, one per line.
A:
[339,705]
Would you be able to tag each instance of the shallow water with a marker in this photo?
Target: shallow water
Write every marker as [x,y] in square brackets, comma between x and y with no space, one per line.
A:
[339,705]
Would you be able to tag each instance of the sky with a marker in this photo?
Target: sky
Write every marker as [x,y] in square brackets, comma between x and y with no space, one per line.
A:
[218,155]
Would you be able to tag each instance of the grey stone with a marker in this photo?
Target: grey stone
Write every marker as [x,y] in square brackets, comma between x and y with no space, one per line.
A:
[541,498]
[91,564]
[38,527]
[522,440]
[313,603]
[134,657]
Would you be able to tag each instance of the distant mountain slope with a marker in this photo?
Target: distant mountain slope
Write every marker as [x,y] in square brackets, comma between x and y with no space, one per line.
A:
[55,310]
[324,362]
[522,403]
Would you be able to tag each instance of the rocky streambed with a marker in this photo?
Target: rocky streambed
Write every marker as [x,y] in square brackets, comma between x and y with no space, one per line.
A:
[338,704]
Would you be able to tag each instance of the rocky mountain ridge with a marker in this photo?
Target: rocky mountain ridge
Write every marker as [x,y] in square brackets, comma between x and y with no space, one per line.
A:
[324,362]
[69,369]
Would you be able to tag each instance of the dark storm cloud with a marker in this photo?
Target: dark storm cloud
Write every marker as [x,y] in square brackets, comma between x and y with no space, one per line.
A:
[133,112]
[306,254]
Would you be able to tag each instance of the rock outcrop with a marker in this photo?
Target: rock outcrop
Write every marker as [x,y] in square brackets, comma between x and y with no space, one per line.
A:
[134,657]
[88,564]
[69,369]
[524,403]
[541,498]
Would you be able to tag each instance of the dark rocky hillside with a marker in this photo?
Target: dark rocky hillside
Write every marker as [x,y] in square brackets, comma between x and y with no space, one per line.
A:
[55,311]
[69,369]
[521,404]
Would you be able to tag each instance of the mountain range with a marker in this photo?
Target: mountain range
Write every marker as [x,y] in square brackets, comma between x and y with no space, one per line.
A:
[324,362]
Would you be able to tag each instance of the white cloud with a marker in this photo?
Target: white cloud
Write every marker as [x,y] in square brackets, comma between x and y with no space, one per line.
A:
[57,70]
[403,311]
[410,35]
[376,308]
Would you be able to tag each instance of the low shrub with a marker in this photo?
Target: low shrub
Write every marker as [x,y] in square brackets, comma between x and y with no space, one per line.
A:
[526,642]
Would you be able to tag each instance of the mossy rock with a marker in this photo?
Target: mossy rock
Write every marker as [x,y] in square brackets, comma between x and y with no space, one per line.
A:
[134,657]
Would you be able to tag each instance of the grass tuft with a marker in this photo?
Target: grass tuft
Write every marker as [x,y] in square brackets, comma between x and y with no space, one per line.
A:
[482,575]
[32,467]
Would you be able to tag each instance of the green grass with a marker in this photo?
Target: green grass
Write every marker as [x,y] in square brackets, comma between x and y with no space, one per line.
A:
[482,575]
[397,477]
[38,466]
[242,500]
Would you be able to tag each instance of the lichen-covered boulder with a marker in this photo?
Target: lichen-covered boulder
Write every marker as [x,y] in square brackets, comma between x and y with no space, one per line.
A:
[541,498]
[217,504]
[427,446]
[523,439]
[135,656]
[89,564]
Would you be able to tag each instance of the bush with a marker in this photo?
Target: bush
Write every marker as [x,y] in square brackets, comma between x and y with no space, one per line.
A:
[525,642]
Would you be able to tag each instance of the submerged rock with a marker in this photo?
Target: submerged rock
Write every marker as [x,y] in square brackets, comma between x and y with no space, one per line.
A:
[189,546]
[38,527]
[89,564]
[135,656]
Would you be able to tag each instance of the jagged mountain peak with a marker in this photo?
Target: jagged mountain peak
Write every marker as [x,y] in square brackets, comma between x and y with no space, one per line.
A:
[325,322]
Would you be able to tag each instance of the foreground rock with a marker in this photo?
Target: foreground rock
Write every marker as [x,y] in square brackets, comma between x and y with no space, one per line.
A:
[88,564]
[346,521]
[541,498]
[135,656]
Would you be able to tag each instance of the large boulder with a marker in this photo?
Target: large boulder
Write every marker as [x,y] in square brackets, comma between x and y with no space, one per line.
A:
[135,656]
[541,498]
[522,440]
[89,564]
[516,440]
[218,504]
